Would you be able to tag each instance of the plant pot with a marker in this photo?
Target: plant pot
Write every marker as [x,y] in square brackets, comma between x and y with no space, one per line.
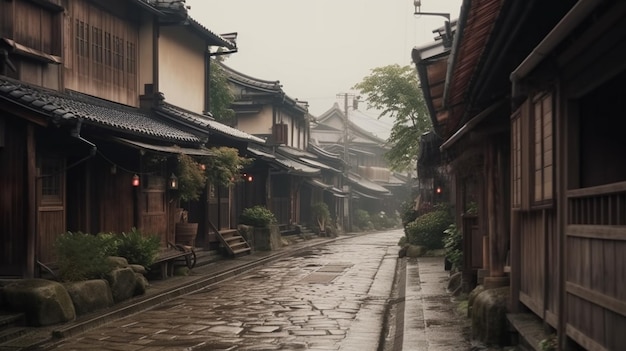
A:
[186,233]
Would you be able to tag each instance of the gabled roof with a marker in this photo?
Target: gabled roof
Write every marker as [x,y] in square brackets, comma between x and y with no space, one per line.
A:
[283,162]
[175,12]
[356,119]
[204,122]
[74,106]
[256,87]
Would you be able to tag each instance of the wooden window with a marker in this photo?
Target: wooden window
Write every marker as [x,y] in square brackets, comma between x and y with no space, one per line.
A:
[118,60]
[516,160]
[82,47]
[542,143]
[131,57]
[51,173]
[108,44]
[97,52]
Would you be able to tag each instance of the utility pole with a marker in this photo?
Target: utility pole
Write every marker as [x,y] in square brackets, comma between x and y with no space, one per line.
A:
[346,159]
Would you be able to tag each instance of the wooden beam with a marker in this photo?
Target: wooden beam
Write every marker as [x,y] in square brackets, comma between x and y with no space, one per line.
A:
[602,232]
[612,188]
[609,303]
[23,112]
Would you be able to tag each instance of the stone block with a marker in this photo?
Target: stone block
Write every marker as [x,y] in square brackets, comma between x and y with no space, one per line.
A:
[90,295]
[489,316]
[117,262]
[123,283]
[43,302]
[142,284]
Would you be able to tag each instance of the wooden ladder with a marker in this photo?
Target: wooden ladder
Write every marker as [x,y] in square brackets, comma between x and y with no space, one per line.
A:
[234,243]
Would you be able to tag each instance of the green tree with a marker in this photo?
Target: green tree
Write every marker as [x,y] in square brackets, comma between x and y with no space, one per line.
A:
[220,94]
[394,90]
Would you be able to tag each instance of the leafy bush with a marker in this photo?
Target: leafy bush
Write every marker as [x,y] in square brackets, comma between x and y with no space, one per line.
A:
[402,241]
[257,216]
[427,229]
[408,213]
[453,245]
[362,219]
[138,248]
[82,256]
[321,214]
[381,220]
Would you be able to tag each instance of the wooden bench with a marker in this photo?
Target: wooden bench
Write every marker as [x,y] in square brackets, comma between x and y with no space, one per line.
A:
[173,254]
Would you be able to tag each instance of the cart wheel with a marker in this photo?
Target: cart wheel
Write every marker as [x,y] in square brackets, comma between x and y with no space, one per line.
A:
[191,259]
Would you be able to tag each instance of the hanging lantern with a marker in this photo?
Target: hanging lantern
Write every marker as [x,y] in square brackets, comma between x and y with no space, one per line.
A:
[173,183]
[135,180]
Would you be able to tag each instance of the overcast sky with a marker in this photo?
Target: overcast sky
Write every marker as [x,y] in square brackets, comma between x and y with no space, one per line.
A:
[320,48]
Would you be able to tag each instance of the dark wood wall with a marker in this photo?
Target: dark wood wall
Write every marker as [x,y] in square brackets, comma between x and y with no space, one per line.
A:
[13,199]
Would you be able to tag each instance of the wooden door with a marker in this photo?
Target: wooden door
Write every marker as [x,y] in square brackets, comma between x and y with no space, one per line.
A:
[153,217]
[50,205]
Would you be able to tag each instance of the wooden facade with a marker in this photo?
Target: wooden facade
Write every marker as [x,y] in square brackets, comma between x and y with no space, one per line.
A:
[553,162]
[72,135]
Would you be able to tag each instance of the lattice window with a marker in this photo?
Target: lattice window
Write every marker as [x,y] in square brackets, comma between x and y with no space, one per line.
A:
[542,143]
[118,60]
[97,52]
[516,160]
[51,175]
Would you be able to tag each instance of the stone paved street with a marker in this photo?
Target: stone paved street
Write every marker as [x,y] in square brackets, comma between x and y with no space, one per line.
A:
[330,297]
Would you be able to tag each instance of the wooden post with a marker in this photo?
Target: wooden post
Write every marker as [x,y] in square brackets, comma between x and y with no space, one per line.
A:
[515,275]
[31,189]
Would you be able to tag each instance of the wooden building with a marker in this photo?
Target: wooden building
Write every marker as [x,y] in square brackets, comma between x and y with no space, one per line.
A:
[287,177]
[528,96]
[84,143]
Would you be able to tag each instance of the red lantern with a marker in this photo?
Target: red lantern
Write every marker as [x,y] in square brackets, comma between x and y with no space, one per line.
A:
[135,180]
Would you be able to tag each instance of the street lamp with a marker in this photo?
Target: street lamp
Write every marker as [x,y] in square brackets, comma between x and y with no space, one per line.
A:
[447,36]
[418,5]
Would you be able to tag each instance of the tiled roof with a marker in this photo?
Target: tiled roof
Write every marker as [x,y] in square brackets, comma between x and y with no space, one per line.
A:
[75,106]
[244,79]
[207,122]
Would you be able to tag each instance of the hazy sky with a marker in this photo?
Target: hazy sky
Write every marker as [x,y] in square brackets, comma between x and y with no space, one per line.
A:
[320,48]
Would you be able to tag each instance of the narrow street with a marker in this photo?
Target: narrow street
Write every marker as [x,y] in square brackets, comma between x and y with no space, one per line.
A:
[330,297]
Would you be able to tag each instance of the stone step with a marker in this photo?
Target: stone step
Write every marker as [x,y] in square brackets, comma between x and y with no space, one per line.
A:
[11,333]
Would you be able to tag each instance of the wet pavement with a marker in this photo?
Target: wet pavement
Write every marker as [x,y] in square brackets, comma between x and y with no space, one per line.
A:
[330,297]
[432,321]
[348,293]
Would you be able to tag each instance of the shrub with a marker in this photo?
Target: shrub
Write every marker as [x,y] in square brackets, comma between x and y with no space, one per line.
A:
[402,241]
[138,248]
[257,216]
[427,229]
[453,245]
[362,219]
[381,220]
[408,213]
[82,256]
[321,214]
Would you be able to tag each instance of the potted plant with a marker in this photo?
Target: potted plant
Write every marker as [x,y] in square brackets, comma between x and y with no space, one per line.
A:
[191,181]
[221,168]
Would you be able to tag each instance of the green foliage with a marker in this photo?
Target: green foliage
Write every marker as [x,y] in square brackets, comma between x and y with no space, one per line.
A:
[408,214]
[362,220]
[394,89]
[191,178]
[549,344]
[82,256]
[320,212]
[221,97]
[382,220]
[138,248]
[224,165]
[257,216]
[402,241]
[453,244]
[427,230]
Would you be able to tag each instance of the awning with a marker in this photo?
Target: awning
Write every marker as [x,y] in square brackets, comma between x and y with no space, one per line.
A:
[32,53]
[358,194]
[337,192]
[471,124]
[260,153]
[318,183]
[319,164]
[367,184]
[174,149]
[296,167]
